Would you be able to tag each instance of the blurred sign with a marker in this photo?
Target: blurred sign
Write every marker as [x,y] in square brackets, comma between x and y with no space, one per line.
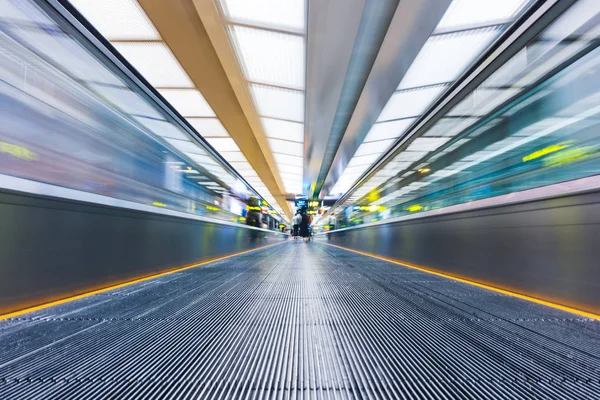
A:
[301,203]
[371,208]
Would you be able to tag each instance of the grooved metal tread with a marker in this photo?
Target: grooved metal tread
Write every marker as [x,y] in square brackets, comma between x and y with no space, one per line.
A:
[299,321]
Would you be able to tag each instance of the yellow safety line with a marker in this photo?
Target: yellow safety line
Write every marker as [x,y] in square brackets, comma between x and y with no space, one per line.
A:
[470,282]
[127,283]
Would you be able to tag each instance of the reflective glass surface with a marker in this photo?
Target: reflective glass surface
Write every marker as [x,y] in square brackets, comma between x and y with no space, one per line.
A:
[69,119]
[534,122]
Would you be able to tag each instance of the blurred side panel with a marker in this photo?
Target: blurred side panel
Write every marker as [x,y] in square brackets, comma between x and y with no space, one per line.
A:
[546,249]
[52,249]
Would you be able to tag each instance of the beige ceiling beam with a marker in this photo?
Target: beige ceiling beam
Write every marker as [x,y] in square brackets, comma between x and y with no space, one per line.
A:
[185,33]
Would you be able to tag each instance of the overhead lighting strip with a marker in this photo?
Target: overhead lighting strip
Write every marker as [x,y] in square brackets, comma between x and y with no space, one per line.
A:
[465,31]
[125,24]
[269,38]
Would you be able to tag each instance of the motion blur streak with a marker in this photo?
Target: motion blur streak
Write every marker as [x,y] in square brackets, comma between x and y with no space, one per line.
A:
[71,119]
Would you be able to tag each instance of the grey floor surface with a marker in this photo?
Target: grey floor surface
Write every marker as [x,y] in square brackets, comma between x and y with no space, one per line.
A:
[299,320]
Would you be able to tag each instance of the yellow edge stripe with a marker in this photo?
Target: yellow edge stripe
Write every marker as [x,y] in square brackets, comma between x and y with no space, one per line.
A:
[481,285]
[127,283]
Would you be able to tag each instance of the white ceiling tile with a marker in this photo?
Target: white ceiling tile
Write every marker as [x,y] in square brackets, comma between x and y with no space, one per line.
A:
[223,144]
[283,159]
[288,14]
[118,19]
[410,103]
[286,147]
[278,129]
[188,102]
[208,127]
[156,63]
[269,57]
[469,13]
[444,58]
[373,147]
[278,103]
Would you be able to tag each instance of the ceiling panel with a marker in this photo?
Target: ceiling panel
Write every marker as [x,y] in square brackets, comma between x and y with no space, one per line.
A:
[271,58]
[278,102]
[118,19]
[188,102]
[279,129]
[156,63]
[287,15]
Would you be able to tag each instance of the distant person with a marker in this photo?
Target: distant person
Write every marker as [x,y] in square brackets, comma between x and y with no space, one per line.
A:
[331,226]
[304,227]
[297,220]
[253,218]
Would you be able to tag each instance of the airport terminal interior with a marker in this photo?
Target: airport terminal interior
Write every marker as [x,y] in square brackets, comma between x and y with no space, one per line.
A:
[300,199]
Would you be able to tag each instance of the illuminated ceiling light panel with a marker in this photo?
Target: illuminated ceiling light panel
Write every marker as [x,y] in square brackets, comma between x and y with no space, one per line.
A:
[223,144]
[270,57]
[127,100]
[286,147]
[388,130]
[246,173]
[235,156]
[278,103]
[186,146]
[156,63]
[291,178]
[444,57]
[162,128]
[426,144]
[250,175]
[410,156]
[208,127]
[243,167]
[283,159]
[203,160]
[118,19]
[188,102]
[292,188]
[289,14]
[290,169]
[450,126]
[471,13]
[410,103]
[373,147]
[278,129]
[231,156]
